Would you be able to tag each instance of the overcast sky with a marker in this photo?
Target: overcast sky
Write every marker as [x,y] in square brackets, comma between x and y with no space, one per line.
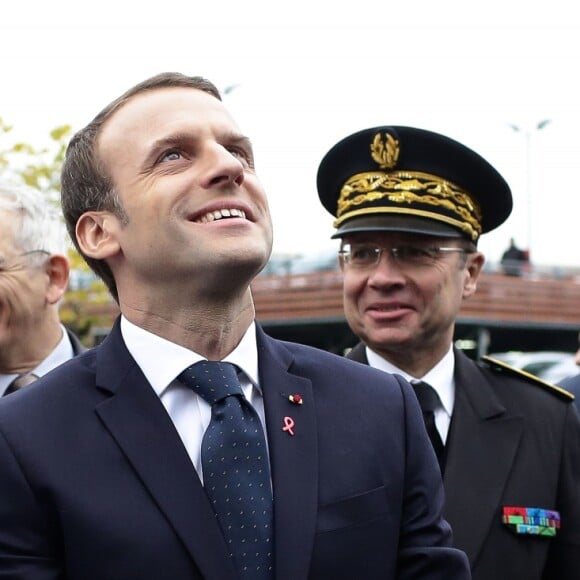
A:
[308,73]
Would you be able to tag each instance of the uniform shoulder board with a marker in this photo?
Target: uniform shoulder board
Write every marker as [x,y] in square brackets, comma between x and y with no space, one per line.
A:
[499,365]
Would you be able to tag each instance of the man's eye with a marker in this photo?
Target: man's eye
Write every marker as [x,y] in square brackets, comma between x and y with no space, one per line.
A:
[171,155]
[363,254]
[242,155]
[412,253]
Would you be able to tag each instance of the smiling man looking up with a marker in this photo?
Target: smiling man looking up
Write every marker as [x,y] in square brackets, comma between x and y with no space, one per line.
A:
[189,444]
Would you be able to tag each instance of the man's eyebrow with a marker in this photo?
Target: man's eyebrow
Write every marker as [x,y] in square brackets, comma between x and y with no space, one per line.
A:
[236,139]
[174,140]
[183,139]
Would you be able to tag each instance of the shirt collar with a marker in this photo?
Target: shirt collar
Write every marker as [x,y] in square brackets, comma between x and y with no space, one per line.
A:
[440,377]
[162,361]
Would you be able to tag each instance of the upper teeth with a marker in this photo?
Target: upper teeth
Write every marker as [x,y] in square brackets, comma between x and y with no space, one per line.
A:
[221,213]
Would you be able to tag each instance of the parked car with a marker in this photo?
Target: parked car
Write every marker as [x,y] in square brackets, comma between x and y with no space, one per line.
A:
[550,366]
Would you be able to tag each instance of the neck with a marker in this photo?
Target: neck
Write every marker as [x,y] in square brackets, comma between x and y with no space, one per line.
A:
[413,362]
[25,352]
[212,328]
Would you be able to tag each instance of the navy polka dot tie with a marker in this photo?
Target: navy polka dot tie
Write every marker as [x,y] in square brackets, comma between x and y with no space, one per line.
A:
[236,471]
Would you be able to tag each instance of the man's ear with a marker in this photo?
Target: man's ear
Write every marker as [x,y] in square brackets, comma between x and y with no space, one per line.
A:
[473,268]
[95,233]
[57,269]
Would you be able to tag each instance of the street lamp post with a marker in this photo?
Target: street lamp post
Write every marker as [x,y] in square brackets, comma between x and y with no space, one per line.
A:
[528,137]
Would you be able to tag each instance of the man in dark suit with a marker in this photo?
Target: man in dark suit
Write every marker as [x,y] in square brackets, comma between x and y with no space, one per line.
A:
[34,274]
[108,463]
[409,207]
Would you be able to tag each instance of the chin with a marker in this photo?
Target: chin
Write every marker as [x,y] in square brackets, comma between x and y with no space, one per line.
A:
[255,256]
[245,260]
[391,340]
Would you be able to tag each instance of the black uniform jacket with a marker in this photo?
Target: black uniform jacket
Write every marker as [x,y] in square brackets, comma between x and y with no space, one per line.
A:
[513,442]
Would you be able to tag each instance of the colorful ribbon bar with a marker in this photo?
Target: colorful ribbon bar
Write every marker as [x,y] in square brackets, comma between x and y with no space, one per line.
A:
[533,521]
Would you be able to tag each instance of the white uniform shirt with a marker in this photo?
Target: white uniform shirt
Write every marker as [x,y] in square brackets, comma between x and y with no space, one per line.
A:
[440,377]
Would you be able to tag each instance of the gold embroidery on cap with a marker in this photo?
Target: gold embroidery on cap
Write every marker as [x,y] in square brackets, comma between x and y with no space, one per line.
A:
[385,154]
[405,188]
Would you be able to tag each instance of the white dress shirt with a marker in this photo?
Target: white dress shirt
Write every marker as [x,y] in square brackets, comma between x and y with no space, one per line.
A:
[162,361]
[440,377]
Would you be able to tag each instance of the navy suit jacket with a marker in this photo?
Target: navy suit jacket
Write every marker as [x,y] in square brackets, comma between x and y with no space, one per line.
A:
[95,483]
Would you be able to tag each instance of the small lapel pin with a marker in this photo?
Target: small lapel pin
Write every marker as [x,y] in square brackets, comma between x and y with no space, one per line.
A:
[288,425]
[296,399]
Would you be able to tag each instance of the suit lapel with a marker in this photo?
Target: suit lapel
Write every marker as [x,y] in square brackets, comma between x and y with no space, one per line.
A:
[482,445]
[137,420]
[294,458]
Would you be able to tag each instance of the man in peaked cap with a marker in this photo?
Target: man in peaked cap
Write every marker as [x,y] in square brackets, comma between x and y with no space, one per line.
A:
[409,207]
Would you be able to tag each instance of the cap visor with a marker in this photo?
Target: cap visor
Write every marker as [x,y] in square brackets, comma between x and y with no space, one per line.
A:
[396,223]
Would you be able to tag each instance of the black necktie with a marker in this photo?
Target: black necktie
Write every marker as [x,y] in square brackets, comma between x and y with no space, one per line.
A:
[236,471]
[429,402]
[19,382]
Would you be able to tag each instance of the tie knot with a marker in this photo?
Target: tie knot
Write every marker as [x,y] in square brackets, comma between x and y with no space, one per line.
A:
[212,380]
[427,396]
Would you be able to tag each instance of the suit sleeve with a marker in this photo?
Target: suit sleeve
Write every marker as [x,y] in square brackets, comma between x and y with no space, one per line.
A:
[25,549]
[426,541]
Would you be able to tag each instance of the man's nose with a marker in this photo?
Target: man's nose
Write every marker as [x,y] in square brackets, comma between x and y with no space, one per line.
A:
[222,167]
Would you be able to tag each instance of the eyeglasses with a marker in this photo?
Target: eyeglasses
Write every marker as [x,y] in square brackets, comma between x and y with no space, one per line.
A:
[15,266]
[365,255]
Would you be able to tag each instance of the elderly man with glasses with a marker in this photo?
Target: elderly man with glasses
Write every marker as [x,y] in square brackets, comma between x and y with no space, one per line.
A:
[34,273]
[409,208]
